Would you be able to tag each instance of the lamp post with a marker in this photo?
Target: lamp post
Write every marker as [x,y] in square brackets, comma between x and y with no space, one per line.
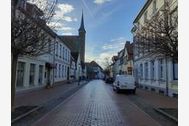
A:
[166,70]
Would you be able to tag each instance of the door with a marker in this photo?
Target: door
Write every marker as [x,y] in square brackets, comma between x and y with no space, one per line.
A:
[47,76]
[68,73]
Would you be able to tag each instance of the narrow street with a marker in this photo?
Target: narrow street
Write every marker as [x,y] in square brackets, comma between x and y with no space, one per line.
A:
[97,105]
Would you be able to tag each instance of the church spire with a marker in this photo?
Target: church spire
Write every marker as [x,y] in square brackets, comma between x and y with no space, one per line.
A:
[82,28]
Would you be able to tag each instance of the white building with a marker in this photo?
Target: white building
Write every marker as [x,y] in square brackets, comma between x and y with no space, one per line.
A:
[62,61]
[150,71]
[72,69]
[115,66]
[35,72]
[54,66]
[47,69]
[94,71]
[78,65]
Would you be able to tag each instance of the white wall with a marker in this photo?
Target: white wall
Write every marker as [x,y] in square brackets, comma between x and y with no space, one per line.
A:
[62,59]
[27,61]
[157,82]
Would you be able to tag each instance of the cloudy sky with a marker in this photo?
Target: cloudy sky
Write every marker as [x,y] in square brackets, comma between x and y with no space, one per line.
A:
[107,22]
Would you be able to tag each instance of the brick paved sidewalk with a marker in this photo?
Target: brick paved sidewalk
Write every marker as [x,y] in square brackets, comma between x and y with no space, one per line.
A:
[43,95]
[157,100]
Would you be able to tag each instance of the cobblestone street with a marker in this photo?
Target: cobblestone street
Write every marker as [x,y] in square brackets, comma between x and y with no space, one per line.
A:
[91,106]
[97,105]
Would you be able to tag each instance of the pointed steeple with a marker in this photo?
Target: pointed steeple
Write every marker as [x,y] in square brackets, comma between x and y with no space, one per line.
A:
[82,28]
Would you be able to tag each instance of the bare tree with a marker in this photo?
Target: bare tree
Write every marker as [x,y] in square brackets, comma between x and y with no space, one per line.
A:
[107,66]
[159,35]
[28,33]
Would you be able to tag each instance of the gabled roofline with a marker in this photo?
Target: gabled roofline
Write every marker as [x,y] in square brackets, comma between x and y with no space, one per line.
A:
[142,10]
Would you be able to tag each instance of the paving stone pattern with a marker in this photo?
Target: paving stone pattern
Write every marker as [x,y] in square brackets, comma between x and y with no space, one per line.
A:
[89,107]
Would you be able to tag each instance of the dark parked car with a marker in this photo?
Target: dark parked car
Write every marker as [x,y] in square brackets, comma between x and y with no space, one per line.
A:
[109,80]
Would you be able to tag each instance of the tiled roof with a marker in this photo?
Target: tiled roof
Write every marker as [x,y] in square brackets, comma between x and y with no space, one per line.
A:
[93,64]
[72,42]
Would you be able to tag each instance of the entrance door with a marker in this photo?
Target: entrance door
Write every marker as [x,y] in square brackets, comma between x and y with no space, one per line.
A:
[47,76]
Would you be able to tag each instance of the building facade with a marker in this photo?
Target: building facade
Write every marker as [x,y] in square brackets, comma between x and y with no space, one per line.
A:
[154,72]
[34,72]
[94,71]
[57,65]
[123,62]
[62,61]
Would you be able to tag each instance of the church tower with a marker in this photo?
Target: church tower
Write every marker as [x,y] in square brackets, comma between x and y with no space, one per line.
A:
[82,33]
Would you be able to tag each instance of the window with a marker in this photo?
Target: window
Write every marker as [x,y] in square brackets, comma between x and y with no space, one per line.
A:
[55,71]
[56,49]
[32,74]
[63,53]
[66,55]
[161,69]
[154,6]
[141,71]
[175,70]
[20,74]
[62,71]
[130,70]
[152,70]
[40,74]
[60,51]
[65,71]
[59,70]
[146,70]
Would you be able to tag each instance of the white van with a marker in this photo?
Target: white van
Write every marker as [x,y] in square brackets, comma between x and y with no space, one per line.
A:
[124,82]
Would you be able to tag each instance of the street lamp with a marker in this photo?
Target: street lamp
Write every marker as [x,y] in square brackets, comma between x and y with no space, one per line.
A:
[167,83]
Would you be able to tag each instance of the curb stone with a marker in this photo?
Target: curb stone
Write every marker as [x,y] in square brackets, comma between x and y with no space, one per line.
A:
[166,114]
[25,114]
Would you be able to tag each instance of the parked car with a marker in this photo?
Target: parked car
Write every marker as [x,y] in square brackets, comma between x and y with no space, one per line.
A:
[109,80]
[124,83]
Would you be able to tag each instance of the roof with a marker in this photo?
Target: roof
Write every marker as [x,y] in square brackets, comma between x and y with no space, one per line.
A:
[75,55]
[121,53]
[33,8]
[82,28]
[142,10]
[129,47]
[71,41]
[93,64]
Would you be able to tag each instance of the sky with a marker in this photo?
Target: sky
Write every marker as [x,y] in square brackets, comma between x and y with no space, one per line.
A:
[108,24]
